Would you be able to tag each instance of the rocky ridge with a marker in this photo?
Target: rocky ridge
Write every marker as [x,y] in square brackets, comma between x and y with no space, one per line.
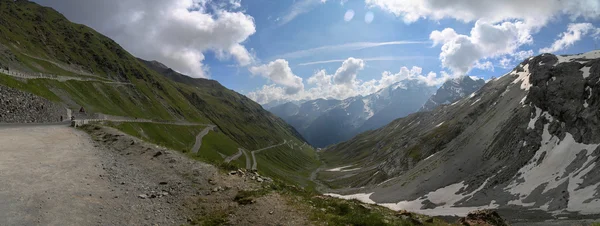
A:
[526,144]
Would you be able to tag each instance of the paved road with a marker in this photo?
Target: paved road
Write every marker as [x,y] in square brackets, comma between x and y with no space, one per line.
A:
[248,161]
[39,184]
[198,143]
[254,164]
[235,156]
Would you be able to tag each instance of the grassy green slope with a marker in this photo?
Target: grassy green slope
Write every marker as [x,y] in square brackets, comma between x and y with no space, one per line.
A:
[35,39]
[176,137]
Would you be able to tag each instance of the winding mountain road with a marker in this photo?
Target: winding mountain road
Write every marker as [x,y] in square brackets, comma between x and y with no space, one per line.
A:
[201,135]
[254,164]
[235,156]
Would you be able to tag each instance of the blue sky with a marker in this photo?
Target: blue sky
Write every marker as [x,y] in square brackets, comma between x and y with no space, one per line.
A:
[266,48]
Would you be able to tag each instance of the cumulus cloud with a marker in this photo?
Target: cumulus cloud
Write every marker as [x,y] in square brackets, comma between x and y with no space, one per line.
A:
[346,74]
[574,33]
[460,52]
[501,27]
[280,73]
[177,32]
[344,83]
[532,11]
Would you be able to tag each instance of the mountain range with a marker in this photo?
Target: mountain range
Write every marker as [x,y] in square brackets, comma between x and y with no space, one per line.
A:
[527,141]
[453,90]
[326,122]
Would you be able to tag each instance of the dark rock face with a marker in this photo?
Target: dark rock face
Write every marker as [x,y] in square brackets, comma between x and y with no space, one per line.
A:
[22,107]
[453,90]
[562,92]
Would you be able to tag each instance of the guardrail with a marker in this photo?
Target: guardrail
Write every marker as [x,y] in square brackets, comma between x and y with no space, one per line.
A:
[81,122]
[26,75]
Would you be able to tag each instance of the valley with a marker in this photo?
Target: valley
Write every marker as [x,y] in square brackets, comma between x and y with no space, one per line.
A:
[522,142]
[92,135]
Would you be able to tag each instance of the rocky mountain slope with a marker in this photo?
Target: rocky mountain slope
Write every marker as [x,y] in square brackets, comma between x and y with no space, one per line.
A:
[525,142]
[21,107]
[325,122]
[104,78]
[453,90]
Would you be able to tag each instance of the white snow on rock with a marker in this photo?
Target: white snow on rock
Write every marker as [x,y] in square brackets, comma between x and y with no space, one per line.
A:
[429,157]
[523,100]
[586,72]
[538,113]
[446,196]
[589,55]
[438,125]
[338,169]
[523,78]
[559,155]
[363,197]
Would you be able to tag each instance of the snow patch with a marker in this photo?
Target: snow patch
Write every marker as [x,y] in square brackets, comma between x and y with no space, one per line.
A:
[586,72]
[338,169]
[589,55]
[438,125]
[538,113]
[559,154]
[523,100]
[447,196]
[429,157]
[475,101]
[523,78]
[363,197]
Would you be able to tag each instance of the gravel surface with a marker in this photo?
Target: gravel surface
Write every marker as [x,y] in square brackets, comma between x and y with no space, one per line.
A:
[57,175]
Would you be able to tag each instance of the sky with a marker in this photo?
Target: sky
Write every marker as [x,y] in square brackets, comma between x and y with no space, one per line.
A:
[282,50]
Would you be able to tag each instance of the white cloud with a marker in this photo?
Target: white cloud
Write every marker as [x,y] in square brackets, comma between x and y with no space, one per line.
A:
[344,83]
[298,8]
[501,26]
[280,73]
[349,15]
[177,32]
[487,65]
[535,12]
[460,53]
[522,55]
[343,47]
[574,33]
[346,74]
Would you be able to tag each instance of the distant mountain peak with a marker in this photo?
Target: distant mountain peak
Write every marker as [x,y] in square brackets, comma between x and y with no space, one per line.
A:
[453,90]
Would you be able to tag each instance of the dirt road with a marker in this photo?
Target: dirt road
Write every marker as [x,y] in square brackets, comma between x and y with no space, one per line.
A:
[39,184]
[201,135]
[57,175]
